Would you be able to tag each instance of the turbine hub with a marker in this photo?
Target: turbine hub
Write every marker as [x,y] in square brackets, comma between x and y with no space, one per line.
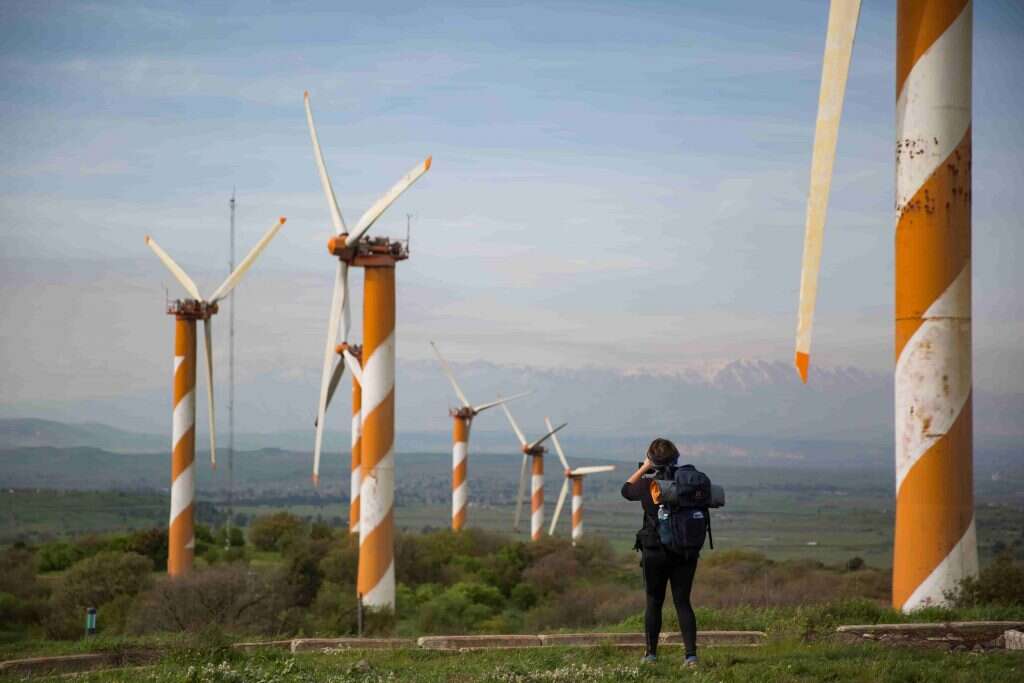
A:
[192,309]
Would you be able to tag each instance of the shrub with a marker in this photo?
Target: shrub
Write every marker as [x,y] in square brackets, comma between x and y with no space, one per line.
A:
[233,597]
[854,564]
[97,581]
[301,575]
[22,596]
[460,608]
[151,543]
[554,571]
[58,556]
[1001,584]
[269,532]
[340,564]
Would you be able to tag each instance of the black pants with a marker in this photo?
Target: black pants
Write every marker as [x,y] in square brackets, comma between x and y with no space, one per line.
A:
[660,568]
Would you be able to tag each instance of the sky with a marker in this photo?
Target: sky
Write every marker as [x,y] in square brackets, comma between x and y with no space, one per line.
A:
[616,185]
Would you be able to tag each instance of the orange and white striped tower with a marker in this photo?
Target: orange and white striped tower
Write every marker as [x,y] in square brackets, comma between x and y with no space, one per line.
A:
[375,582]
[460,457]
[357,442]
[462,420]
[376,573]
[935,545]
[573,478]
[934,541]
[577,508]
[181,525]
[536,495]
[534,451]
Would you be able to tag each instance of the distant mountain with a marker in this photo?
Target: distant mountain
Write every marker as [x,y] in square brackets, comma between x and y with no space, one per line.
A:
[32,433]
[743,398]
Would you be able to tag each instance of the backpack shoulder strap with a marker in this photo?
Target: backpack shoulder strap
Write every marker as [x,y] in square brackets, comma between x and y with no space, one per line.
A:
[711,539]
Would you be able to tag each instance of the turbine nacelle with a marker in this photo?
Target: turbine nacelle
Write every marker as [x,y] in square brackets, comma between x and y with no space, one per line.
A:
[193,309]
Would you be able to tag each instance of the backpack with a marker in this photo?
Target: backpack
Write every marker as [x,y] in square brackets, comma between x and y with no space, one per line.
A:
[684,518]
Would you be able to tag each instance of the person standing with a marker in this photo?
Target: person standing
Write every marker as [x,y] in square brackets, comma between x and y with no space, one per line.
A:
[661,566]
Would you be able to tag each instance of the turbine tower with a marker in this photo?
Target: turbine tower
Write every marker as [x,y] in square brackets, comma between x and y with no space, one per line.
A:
[535,452]
[462,420]
[575,478]
[378,257]
[935,545]
[181,525]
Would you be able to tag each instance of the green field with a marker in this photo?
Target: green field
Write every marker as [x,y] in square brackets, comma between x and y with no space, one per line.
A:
[782,512]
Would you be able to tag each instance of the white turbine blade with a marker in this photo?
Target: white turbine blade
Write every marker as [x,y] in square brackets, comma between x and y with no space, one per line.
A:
[558,446]
[515,427]
[208,334]
[594,469]
[337,301]
[545,437]
[176,270]
[519,494]
[842,27]
[353,366]
[339,370]
[484,406]
[450,374]
[558,506]
[247,262]
[321,167]
[386,200]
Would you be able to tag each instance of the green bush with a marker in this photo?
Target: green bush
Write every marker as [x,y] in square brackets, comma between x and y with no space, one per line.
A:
[270,532]
[151,543]
[460,608]
[1001,584]
[97,581]
[58,556]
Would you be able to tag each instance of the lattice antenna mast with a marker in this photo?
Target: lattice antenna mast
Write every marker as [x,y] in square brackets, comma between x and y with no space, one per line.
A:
[231,382]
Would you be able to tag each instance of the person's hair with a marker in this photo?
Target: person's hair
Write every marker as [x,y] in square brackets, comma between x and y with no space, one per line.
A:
[662,452]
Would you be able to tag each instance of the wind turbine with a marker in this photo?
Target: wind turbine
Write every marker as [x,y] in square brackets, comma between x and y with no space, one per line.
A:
[935,544]
[378,257]
[535,451]
[462,420]
[181,536]
[575,477]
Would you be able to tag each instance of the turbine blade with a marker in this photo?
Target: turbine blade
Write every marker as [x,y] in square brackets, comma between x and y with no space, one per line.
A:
[208,343]
[247,262]
[545,437]
[484,406]
[558,506]
[450,374]
[353,366]
[558,446]
[593,469]
[176,270]
[336,374]
[519,494]
[337,302]
[842,27]
[321,167]
[386,200]
[515,427]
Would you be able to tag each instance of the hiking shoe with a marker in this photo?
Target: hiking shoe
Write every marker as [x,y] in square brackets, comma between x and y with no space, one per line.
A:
[691,662]
[649,659]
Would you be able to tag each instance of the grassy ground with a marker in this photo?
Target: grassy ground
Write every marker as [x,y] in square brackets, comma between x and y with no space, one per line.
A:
[779,661]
